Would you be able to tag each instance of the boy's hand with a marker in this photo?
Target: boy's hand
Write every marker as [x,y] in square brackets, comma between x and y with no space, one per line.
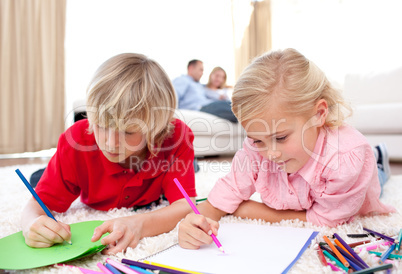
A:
[195,231]
[124,232]
[44,232]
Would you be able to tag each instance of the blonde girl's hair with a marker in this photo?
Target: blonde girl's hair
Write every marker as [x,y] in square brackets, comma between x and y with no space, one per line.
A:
[293,81]
[131,91]
[223,85]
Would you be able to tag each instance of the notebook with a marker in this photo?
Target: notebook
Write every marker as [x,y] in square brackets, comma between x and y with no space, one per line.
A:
[249,248]
[15,254]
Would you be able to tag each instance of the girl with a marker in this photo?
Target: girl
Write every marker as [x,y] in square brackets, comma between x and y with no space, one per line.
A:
[125,155]
[299,155]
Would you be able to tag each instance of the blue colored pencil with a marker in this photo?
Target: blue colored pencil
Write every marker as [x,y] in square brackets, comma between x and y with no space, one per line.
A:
[112,269]
[30,188]
[386,254]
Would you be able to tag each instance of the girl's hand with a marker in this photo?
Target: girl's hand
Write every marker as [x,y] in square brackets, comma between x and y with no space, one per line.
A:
[195,231]
[45,232]
[124,232]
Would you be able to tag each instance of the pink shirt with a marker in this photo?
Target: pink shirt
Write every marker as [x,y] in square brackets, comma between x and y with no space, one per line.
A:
[338,182]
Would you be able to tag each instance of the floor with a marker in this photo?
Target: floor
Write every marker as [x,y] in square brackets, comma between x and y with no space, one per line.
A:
[396,167]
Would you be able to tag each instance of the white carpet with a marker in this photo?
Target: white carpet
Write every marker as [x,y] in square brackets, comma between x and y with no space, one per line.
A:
[13,195]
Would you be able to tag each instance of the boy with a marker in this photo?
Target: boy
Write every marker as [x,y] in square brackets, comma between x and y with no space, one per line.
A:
[125,155]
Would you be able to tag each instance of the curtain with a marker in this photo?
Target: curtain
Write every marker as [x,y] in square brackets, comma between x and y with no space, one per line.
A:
[252,31]
[31,74]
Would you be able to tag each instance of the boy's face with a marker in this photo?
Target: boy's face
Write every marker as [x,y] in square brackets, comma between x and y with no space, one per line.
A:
[285,139]
[118,146]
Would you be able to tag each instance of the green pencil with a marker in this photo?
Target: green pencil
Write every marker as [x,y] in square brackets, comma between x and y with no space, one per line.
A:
[374,269]
[338,263]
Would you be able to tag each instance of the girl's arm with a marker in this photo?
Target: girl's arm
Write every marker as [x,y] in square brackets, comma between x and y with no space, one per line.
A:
[128,231]
[40,230]
[255,210]
[195,230]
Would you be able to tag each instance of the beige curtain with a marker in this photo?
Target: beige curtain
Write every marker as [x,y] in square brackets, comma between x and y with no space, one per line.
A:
[252,31]
[31,74]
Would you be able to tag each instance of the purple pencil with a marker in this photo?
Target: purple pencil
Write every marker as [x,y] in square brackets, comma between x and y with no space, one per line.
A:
[379,234]
[345,245]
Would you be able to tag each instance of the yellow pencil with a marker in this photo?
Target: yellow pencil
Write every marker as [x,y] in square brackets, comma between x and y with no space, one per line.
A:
[171,267]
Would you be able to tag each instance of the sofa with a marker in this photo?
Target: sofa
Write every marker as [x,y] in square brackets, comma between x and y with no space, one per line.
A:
[377,103]
[213,136]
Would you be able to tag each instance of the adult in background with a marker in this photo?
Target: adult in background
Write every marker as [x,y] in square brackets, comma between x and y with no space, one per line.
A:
[191,93]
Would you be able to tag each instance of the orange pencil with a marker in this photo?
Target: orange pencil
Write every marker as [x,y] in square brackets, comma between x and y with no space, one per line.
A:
[336,251]
[338,243]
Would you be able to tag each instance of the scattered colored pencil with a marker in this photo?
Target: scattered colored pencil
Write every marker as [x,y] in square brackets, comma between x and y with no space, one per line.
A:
[352,245]
[337,253]
[151,267]
[112,269]
[321,256]
[391,256]
[103,268]
[380,235]
[374,269]
[119,266]
[398,245]
[355,264]
[337,262]
[350,250]
[386,254]
[196,210]
[171,267]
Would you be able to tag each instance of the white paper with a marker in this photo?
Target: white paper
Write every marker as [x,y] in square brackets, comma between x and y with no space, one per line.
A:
[248,248]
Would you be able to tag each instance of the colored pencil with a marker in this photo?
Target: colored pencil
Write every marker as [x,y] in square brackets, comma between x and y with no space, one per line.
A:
[152,267]
[352,245]
[398,245]
[374,269]
[123,268]
[337,253]
[350,250]
[33,192]
[337,262]
[380,235]
[103,268]
[172,267]
[112,269]
[334,268]
[391,256]
[358,235]
[355,264]
[183,191]
[374,246]
[385,255]
[321,256]
[339,244]
[141,270]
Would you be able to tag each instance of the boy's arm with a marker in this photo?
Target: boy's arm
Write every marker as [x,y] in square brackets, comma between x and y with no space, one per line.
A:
[255,210]
[127,231]
[40,230]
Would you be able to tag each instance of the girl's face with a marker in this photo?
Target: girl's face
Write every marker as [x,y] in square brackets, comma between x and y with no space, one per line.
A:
[118,146]
[218,78]
[285,139]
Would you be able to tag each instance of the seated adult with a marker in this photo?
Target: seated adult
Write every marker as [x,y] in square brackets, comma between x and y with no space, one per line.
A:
[191,93]
[216,87]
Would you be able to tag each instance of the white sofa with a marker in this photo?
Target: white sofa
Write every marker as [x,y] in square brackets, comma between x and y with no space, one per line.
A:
[213,136]
[377,102]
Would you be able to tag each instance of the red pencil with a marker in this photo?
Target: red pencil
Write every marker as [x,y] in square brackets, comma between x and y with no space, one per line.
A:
[321,256]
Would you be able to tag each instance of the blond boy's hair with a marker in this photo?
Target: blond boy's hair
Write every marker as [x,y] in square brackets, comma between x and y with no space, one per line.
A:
[293,81]
[131,91]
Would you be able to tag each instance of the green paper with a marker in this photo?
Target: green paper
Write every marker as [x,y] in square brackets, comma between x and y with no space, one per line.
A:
[15,254]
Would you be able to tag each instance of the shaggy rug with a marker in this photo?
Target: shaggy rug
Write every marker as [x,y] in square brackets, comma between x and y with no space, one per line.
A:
[13,195]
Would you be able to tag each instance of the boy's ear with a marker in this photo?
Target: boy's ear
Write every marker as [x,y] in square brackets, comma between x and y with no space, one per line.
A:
[321,112]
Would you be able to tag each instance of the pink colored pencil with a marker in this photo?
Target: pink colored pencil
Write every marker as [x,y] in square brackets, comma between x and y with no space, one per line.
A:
[374,246]
[334,268]
[183,191]
[121,267]
[104,268]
